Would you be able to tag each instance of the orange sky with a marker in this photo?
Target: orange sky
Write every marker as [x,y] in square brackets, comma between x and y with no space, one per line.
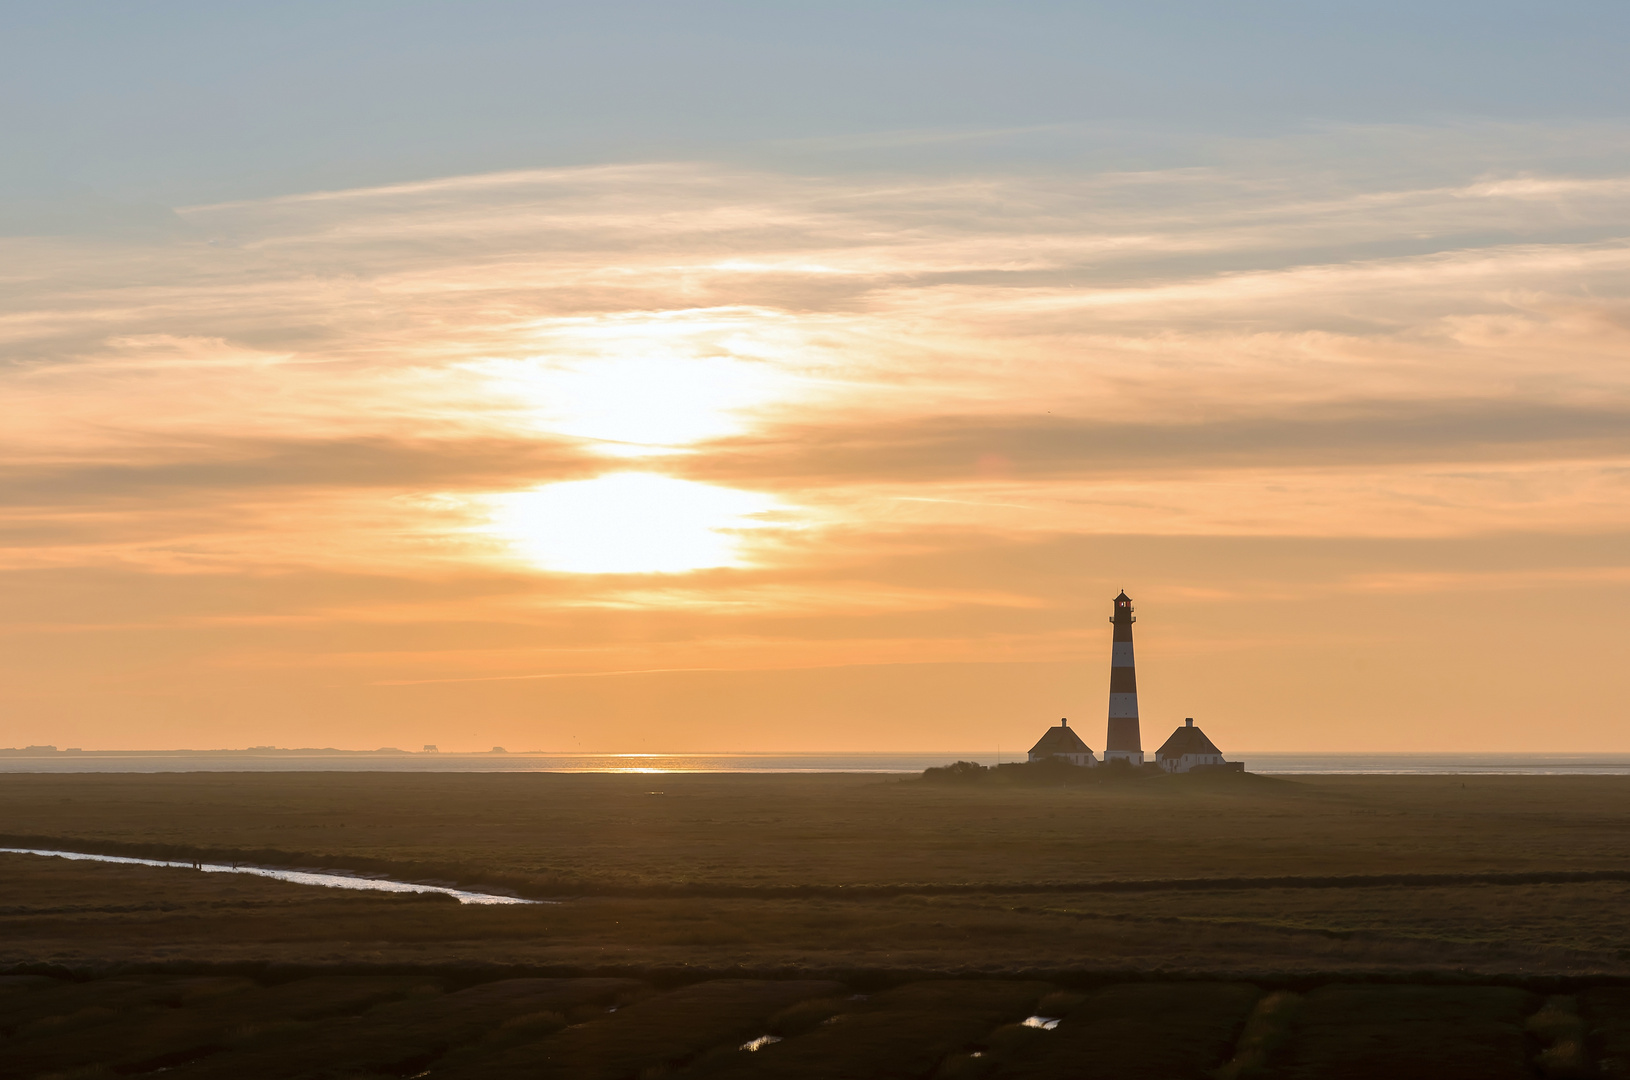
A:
[688,457]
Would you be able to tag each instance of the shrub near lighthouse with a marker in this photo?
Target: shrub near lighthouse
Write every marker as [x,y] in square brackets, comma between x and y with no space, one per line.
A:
[1124,742]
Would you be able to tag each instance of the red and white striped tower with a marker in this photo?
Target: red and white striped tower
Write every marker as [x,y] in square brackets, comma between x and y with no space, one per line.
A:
[1124,741]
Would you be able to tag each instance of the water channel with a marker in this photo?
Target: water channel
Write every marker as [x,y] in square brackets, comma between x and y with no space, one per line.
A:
[299,877]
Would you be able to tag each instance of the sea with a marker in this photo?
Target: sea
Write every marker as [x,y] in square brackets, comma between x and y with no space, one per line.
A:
[1283,763]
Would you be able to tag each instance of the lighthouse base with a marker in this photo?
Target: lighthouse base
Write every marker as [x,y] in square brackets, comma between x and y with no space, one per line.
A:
[1134,756]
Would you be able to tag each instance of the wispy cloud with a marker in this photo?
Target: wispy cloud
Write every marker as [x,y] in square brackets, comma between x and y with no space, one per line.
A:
[933,378]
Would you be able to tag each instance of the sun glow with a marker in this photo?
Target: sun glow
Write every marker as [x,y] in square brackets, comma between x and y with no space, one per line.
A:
[643,384]
[629,523]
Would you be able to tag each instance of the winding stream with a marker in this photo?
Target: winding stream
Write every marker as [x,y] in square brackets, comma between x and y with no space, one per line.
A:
[299,877]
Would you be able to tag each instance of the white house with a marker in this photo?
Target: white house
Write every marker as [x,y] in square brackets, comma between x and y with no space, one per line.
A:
[1188,748]
[1061,742]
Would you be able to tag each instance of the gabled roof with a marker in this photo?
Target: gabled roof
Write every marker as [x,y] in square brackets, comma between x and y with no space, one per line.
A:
[1186,740]
[1060,740]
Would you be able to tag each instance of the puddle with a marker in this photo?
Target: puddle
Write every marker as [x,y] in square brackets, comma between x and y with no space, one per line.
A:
[299,877]
[760,1043]
[1045,1023]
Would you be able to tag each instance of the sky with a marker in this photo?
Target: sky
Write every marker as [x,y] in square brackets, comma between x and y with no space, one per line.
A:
[705,377]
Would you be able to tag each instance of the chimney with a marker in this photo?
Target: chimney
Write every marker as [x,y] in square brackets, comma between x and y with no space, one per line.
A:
[1064,722]
[1188,721]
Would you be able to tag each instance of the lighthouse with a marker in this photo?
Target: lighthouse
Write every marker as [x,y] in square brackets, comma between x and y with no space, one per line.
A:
[1124,741]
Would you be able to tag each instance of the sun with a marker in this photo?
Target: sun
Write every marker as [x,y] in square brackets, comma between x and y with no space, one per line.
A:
[629,523]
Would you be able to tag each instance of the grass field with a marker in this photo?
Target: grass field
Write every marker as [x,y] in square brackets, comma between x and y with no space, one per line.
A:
[1324,927]
[554,832]
[746,870]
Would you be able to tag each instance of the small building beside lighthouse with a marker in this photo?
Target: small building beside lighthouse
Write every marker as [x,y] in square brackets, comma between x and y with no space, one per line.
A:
[1189,749]
[1061,742]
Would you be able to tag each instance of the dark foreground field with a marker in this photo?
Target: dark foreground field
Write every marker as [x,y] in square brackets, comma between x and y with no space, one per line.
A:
[588,1028]
[1176,927]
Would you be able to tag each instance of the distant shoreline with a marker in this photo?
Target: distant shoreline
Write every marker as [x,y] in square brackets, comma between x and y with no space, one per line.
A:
[327,759]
